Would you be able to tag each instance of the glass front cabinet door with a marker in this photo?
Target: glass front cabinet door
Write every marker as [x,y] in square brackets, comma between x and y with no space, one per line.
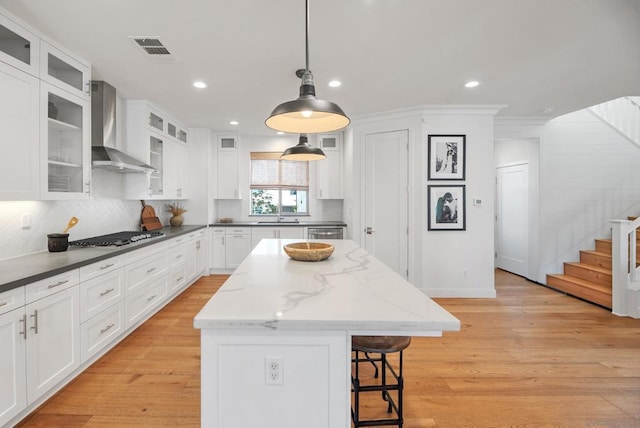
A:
[63,71]
[64,144]
[18,47]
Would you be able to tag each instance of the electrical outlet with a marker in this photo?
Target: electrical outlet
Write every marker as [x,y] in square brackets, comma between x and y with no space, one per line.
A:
[26,221]
[273,371]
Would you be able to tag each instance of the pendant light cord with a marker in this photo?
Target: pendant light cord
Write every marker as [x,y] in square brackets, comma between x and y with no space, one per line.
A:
[307,34]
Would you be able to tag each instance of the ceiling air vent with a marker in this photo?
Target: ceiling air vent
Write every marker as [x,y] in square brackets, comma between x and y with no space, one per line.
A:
[154,49]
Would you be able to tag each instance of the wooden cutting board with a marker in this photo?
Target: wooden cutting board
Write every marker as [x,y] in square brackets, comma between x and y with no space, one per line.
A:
[149,220]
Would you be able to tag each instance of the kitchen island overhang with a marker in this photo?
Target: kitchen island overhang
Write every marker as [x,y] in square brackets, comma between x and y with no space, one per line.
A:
[302,314]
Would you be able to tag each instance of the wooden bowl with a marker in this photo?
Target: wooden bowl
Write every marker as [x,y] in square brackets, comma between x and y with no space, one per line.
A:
[309,251]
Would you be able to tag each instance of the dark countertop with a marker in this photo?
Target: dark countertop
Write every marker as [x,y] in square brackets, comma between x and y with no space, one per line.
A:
[336,223]
[23,270]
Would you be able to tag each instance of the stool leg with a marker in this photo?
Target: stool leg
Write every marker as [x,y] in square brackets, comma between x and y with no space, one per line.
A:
[400,392]
[375,366]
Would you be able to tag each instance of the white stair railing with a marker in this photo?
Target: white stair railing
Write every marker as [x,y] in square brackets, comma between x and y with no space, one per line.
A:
[625,273]
[623,115]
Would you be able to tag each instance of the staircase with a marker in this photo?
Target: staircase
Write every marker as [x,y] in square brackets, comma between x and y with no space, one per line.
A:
[590,278]
[623,115]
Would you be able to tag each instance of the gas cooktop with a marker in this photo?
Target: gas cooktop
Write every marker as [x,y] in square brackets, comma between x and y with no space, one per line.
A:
[115,239]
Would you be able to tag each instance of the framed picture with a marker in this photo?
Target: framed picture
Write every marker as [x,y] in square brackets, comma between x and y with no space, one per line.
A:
[447,207]
[446,157]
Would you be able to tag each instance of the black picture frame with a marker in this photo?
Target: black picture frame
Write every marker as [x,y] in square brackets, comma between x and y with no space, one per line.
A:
[446,206]
[447,157]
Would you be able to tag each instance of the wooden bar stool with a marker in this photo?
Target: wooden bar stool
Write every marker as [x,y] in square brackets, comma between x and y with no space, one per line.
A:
[380,345]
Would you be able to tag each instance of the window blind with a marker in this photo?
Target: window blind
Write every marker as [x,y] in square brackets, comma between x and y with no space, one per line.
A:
[268,171]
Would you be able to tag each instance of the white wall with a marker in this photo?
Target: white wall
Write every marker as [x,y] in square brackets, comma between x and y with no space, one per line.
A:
[438,259]
[103,213]
[319,210]
[589,174]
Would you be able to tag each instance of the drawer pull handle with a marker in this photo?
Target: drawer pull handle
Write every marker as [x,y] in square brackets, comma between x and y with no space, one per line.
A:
[57,284]
[180,279]
[151,298]
[179,256]
[107,328]
[23,321]
[104,293]
[151,270]
[35,321]
[106,266]
[3,304]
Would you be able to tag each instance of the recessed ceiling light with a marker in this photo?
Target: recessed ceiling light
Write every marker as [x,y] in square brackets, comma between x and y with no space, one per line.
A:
[335,83]
[199,84]
[233,122]
[471,84]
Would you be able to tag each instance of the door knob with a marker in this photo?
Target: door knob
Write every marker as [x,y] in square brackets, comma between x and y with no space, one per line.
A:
[368,230]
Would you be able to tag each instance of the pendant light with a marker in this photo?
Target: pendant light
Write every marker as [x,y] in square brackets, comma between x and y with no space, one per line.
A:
[307,114]
[303,151]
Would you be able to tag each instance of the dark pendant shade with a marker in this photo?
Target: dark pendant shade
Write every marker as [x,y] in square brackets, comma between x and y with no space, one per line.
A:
[303,151]
[307,114]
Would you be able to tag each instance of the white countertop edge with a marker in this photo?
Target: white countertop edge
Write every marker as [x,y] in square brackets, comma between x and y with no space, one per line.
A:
[354,328]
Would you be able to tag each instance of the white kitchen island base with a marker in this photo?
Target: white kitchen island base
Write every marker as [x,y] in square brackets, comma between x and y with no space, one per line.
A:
[314,390]
[276,337]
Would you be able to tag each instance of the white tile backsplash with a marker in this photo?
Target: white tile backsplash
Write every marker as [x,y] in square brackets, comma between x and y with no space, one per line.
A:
[103,213]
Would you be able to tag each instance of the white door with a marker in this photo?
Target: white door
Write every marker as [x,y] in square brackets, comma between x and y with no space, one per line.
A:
[512,219]
[385,198]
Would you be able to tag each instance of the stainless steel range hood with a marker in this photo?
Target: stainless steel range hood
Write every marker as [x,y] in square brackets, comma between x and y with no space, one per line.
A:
[104,155]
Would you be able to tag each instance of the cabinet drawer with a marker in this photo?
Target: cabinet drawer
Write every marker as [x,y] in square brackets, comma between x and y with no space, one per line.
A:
[100,292]
[177,255]
[144,271]
[95,269]
[196,234]
[53,284]
[218,230]
[101,330]
[12,299]
[140,303]
[238,231]
[177,278]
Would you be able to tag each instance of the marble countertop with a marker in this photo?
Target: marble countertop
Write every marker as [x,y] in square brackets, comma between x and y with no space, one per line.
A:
[351,290]
[23,270]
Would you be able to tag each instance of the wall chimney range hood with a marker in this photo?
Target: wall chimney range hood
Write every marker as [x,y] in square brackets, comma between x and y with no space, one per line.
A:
[104,155]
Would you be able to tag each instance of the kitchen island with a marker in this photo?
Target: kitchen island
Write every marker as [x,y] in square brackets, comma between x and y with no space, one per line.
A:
[298,318]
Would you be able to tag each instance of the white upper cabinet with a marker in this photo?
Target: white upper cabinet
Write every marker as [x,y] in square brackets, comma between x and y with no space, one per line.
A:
[19,113]
[227,167]
[63,71]
[148,139]
[65,146]
[329,171]
[18,47]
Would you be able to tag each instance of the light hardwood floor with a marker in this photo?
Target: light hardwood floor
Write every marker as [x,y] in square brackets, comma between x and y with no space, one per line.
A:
[532,357]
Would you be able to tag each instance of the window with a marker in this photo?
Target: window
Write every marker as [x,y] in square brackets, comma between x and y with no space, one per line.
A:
[278,187]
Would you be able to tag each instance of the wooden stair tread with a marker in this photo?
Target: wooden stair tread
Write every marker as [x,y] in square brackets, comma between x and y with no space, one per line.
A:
[596,253]
[590,267]
[581,288]
[582,282]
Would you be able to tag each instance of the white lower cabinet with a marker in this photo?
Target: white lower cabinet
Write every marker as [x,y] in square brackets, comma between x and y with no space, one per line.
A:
[50,329]
[53,340]
[13,370]
[229,246]
[101,330]
[287,232]
[216,248]
[140,303]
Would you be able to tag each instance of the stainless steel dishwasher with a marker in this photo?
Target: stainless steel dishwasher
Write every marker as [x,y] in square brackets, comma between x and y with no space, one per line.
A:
[324,233]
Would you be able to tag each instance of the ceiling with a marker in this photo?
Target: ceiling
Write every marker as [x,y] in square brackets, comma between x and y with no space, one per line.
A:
[389,54]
